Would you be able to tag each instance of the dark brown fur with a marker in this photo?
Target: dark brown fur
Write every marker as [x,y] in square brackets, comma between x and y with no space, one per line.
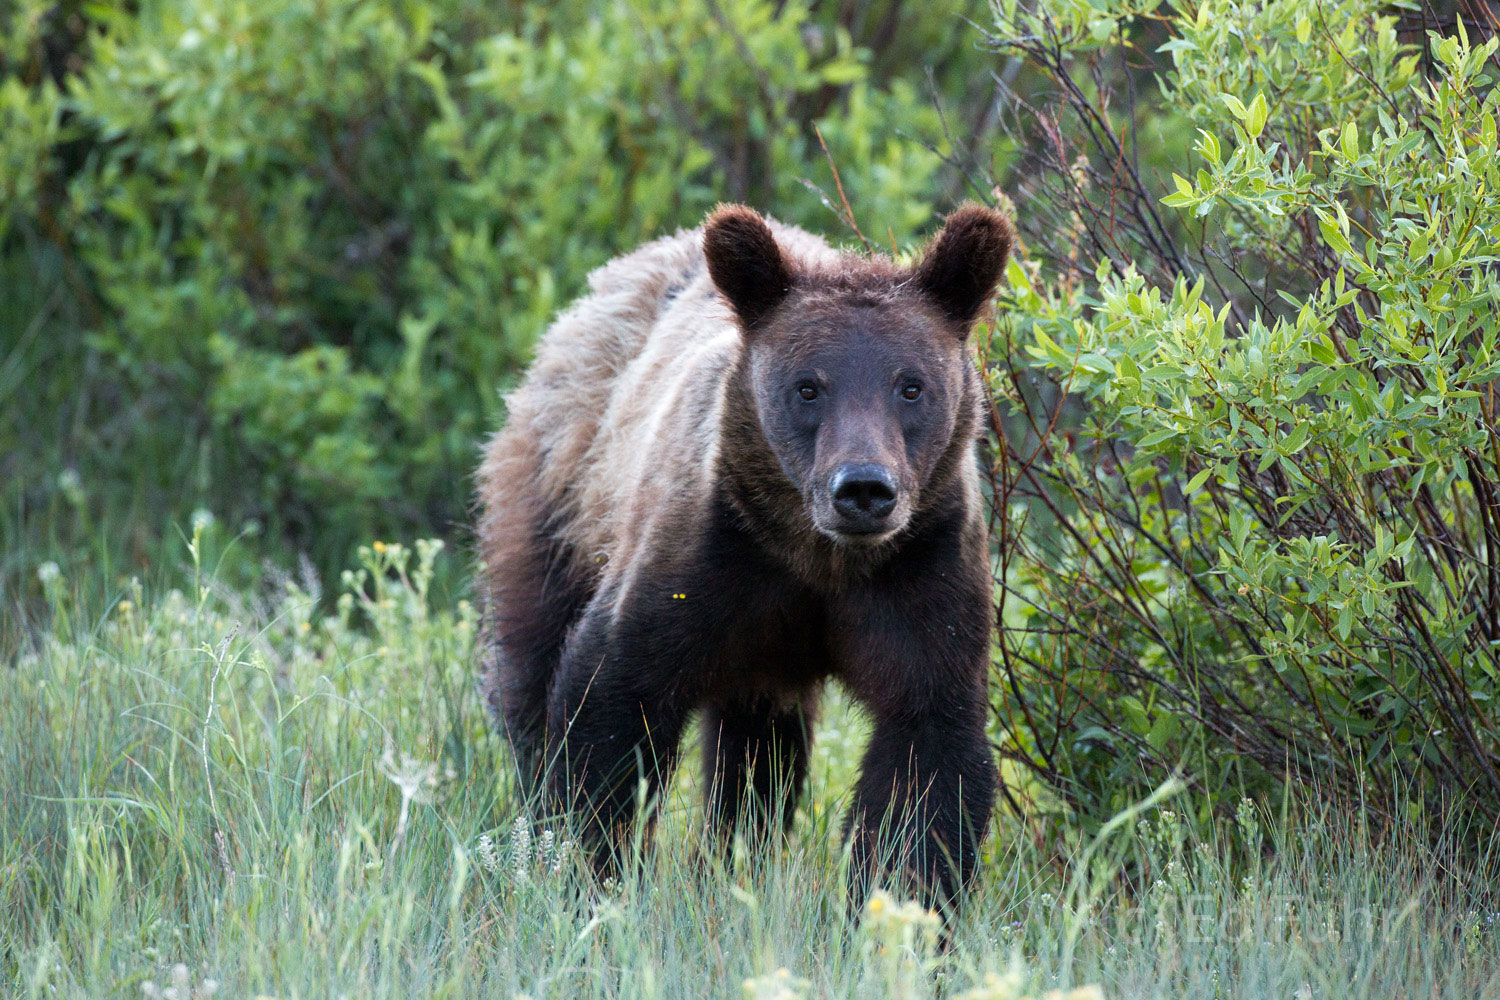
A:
[773,485]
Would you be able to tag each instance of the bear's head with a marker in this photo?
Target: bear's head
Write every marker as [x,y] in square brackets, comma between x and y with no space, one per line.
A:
[858,370]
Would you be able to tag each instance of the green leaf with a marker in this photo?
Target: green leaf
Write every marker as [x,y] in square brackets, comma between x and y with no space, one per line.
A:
[1210,147]
[1239,529]
[1297,439]
[1336,240]
[1135,713]
[1096,363]
[1307,382]
[1322,351]
[1419,244]
[1255,120]
[1162,730]
[1349,140]
[842,71]
[1157,437]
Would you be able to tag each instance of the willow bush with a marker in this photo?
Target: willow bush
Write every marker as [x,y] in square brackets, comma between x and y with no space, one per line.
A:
[1249,468]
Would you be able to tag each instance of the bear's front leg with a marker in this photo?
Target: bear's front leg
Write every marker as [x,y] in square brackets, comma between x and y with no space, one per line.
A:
[613,721]
[923,801]
[912,644]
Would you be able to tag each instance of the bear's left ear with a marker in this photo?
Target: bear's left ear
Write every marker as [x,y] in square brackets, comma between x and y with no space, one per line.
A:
[746,262]
[962,265]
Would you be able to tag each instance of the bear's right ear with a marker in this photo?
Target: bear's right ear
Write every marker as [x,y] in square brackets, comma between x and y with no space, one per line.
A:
[745,262]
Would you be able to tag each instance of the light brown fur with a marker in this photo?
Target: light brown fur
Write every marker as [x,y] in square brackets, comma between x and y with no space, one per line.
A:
[626,393]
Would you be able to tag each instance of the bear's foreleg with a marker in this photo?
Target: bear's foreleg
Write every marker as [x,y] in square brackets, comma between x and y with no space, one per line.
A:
[923,802]
[913,645]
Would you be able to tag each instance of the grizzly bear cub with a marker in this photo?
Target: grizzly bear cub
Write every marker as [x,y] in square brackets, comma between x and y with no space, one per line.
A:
[744,464]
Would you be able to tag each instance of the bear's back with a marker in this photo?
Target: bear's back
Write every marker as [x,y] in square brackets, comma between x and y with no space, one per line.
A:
[615,428]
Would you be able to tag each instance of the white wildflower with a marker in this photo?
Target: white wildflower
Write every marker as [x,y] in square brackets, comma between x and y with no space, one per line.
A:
[520,850]
[488,856]
[414,777]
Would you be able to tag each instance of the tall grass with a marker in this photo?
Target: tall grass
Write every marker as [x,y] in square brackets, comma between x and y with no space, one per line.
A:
[209,793]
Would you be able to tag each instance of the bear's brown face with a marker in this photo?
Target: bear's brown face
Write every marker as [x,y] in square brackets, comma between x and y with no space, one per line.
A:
[858,399]
[857,371]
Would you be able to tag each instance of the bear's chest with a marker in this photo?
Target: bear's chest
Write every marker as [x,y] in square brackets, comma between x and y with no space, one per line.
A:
[776,646]
[765,632]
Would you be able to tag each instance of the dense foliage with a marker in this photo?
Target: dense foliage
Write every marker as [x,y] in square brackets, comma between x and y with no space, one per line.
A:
[289,251]
[1264,541]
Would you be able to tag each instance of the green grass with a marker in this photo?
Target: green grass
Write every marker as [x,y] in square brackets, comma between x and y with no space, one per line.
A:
[217,780]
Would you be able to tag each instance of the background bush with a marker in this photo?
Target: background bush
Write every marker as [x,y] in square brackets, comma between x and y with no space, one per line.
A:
[276,260]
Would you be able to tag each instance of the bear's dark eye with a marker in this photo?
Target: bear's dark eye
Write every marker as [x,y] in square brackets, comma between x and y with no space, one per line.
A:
[807,391]
[911,391]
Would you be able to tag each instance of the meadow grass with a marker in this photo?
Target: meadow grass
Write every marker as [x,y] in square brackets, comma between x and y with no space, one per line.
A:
[208,793]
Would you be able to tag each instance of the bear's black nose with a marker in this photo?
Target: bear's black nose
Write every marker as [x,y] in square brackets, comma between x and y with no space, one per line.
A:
[864,494]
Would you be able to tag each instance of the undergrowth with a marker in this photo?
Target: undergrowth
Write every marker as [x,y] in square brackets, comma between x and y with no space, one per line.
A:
[212,793]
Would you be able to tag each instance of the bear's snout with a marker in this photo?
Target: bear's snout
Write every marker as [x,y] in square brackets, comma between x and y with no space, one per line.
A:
[864,495]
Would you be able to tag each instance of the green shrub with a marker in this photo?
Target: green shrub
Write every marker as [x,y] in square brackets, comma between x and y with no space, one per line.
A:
[1250,488]
[315,239]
